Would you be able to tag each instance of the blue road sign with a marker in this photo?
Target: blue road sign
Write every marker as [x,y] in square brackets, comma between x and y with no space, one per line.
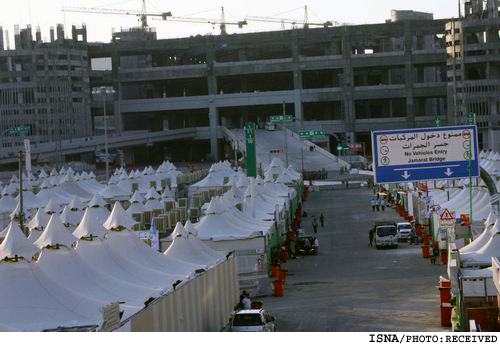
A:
[425,154]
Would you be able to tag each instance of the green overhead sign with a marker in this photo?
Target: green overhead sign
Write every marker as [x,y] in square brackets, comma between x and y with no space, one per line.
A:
[281,118]
[250,145]
[319,134]
[20,130]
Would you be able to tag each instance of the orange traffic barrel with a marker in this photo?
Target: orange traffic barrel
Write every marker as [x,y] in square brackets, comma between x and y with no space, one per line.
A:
[444,282]
[446,314]
[275,268]
[443,255]
[278,288]
[282,275]
[425,239]
[425,251]
[444,294]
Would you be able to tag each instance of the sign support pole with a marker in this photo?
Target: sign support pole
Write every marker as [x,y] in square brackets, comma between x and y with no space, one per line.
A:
[286,141]
[470,121]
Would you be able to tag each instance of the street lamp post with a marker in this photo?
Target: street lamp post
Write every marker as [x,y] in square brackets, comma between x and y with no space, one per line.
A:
[104,91]
[21,206]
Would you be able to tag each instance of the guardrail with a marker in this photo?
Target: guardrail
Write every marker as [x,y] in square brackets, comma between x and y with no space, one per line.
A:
[88,144]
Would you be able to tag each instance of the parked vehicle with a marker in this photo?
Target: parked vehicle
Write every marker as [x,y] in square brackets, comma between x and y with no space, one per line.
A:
[270,126]
[404,231]
[386,234]
[255,320]
[304,246]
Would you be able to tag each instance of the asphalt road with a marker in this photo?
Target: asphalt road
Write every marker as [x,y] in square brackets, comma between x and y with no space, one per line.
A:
[351,286]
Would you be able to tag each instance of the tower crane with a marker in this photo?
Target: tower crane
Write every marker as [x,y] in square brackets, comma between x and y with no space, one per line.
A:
[142,14]
[305,22]
[221,22]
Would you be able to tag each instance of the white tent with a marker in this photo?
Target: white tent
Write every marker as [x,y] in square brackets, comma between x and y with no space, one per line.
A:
[38,221]
[90,226]
[55,233]
[16,244]
[216,226]
[119,218]
[182,249]
[482,257]
[70,217]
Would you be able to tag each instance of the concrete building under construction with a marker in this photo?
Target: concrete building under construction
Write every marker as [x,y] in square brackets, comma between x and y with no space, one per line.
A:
[44,87]
[347,80]
[473,65]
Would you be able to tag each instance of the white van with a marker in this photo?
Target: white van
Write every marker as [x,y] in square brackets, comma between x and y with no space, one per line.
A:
[404,231]
[386,234]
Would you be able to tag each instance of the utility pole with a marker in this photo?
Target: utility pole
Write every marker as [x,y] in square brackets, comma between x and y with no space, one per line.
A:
[103,92]
[236,154]
[21,208]
[105,136]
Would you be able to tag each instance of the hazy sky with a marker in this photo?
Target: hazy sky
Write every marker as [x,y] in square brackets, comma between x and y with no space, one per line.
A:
[48,13]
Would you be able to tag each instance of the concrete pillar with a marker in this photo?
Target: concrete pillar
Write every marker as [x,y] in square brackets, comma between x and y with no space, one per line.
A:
[347,82]
[212,109]
[1,38]
[410,108]
[297,84]
[117,98]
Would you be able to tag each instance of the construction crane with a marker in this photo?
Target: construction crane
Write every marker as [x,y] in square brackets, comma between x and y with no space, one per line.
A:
[305,22]
[142,14]
[221,22]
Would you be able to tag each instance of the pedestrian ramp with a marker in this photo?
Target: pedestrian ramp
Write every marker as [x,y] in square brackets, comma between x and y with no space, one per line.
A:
[303,155]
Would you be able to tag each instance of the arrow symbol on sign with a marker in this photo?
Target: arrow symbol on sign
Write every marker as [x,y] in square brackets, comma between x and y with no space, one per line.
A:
[448,172]
[406,175]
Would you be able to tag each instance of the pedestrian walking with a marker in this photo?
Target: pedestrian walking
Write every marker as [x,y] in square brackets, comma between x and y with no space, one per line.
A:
[315,224]
[371,234]
[316,245]
[322,220]
[382,204]
[374,203]
[240,305]
[247,303]
[377,204]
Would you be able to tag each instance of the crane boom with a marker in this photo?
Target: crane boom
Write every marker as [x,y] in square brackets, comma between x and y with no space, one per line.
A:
[112,11]
[141,14]
[203,21]
[288,21]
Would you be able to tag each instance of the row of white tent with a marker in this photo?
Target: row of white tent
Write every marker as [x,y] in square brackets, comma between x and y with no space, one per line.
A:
[221,174]
[474,259]
[73,275]
[67,189]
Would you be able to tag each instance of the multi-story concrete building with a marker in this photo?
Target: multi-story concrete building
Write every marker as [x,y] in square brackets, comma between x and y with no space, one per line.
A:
[44,86]
[347,80]
[473,50]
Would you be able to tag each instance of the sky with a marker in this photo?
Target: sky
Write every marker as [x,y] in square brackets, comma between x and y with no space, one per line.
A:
[46,13]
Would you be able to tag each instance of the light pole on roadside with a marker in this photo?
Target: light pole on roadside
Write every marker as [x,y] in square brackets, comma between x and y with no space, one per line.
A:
[21,206]
[104,92]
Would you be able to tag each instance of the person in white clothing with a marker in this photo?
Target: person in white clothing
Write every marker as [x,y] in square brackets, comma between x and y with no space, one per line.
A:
[316,245]
[247,303]
[382,204]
